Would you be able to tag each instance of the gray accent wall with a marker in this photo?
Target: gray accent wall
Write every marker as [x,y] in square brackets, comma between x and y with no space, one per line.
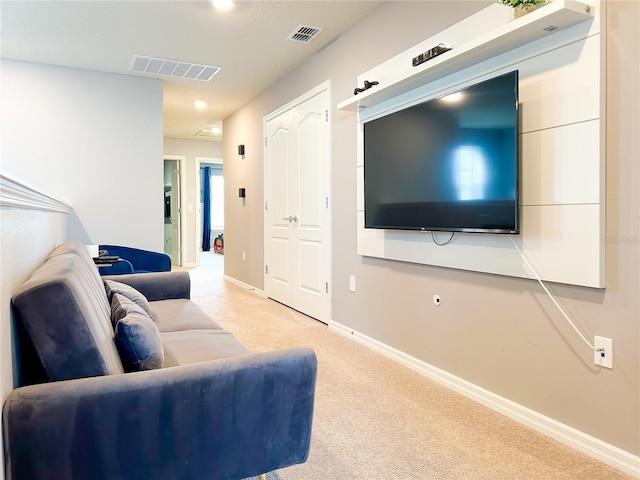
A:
[500,333]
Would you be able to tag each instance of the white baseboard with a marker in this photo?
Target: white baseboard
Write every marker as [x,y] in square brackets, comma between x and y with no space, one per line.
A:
[251,288]
[581,441]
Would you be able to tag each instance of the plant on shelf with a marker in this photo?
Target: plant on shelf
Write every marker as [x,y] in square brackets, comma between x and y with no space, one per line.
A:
[522,7]
[516,3]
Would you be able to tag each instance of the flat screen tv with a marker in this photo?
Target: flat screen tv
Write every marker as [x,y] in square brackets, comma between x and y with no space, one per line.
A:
[447,164]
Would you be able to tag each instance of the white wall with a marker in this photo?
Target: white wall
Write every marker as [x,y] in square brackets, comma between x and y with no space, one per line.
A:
[93,140]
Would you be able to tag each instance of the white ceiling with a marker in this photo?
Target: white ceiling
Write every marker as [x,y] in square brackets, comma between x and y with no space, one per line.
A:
[249,42]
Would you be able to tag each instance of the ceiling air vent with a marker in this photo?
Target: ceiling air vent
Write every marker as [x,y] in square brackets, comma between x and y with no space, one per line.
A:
[172,68]
[304,33]
[206,134]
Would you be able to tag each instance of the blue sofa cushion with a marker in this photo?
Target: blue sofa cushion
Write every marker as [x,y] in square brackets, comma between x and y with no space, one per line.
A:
[139,343]
[121,306]
[177,315]
[64,309]
[128,291]
[196,346]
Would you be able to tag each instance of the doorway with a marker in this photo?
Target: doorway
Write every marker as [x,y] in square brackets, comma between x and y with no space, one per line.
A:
[297,226]
[211,207]
[173,167]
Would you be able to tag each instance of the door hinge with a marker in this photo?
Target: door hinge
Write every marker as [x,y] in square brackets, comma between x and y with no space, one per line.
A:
[266,206]
[265,142]
[326,115]
[266,269]
[326,287]
[326,202]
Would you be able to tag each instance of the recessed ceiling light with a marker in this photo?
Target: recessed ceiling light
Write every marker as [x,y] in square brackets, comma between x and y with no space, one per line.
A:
[200,104]
[222,4]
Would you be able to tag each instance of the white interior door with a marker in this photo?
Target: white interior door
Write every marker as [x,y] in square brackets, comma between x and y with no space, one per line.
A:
[297,222]
[175,212]
[172,215]
[279,219]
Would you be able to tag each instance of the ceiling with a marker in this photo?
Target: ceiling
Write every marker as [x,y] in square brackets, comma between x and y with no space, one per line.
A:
[248,42]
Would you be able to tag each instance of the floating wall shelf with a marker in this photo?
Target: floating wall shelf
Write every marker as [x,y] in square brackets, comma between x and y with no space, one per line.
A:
[540,23]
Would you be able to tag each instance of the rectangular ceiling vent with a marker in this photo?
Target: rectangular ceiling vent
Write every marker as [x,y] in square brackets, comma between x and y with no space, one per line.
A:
[206,134]
[304,33]
[172,68]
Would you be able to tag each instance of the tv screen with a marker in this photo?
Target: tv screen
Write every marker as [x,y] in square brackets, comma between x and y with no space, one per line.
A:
[447,164]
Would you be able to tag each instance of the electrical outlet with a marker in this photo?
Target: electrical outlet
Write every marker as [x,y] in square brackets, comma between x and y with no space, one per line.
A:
[604,357]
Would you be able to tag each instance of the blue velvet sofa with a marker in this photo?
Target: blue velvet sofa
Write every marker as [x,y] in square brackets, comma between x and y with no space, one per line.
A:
[132,380]
[134,260]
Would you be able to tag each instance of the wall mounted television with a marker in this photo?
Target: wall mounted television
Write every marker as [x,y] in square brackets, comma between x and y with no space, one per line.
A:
[446,164]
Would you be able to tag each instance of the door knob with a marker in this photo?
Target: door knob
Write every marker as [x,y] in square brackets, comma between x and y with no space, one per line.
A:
[290,218]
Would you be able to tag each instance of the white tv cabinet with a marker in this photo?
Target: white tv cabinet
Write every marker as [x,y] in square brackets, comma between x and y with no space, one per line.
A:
[559,52]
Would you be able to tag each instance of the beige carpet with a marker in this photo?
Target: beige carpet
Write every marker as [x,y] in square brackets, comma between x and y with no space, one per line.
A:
[376,419]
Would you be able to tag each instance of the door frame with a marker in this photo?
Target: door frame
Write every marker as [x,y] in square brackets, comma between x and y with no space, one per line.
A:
[182,160]
[198,162]
[324,86]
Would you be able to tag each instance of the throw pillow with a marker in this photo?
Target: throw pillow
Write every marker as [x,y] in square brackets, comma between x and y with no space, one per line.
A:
[139,343]
[121,306]
[128,291]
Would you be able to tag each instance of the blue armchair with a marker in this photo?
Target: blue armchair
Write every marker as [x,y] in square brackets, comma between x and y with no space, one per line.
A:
[135,260]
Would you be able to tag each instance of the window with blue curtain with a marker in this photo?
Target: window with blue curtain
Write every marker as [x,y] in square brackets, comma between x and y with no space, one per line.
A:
[212,201]
[206,210]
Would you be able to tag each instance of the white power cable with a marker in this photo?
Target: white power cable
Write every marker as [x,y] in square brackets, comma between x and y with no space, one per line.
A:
[535,274]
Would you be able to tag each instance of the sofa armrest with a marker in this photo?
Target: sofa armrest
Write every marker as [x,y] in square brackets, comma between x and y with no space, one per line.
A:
[157,285]
[232,418]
